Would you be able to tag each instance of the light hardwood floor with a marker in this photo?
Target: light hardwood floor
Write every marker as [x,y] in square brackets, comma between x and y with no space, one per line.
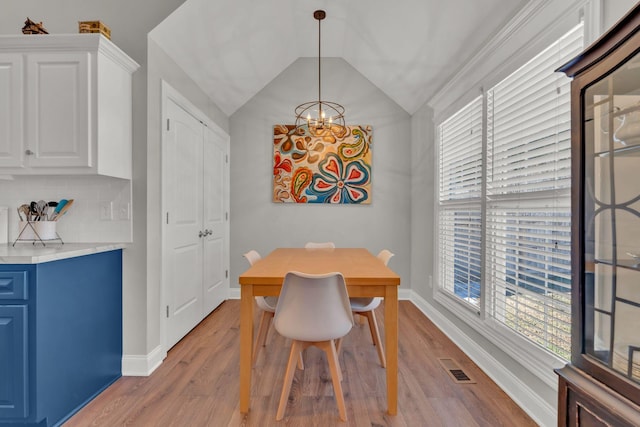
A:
[197,384]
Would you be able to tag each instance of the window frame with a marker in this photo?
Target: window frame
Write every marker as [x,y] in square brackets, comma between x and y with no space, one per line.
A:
[537,359]
[466,203]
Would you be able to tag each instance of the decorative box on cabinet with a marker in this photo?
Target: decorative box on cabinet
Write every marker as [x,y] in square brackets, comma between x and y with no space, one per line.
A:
[601,386]
[60,336]
[67,107]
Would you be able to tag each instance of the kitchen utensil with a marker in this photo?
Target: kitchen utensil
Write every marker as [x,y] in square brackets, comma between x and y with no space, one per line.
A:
[41,208]
[50,205]
[65,208]
[24,210]
[59,207]
[32,211]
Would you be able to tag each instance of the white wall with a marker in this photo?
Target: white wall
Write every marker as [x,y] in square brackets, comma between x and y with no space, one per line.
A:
[81,223]
[423,192]
[612,10]
[258,223]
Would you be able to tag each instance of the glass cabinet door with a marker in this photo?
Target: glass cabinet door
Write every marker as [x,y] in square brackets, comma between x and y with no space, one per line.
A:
[611,322]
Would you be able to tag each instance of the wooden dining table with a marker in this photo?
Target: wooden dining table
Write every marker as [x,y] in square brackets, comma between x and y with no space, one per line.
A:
[365,275]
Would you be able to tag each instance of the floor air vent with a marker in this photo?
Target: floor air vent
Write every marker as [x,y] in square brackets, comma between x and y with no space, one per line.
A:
[454,371]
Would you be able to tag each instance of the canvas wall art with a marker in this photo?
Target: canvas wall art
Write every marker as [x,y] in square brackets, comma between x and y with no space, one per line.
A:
[326,166]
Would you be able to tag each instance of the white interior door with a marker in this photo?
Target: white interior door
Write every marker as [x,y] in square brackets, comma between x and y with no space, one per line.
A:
[195,252]
[183,181]
[216,283]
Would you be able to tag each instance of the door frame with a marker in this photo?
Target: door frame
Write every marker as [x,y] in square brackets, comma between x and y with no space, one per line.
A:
[169,93]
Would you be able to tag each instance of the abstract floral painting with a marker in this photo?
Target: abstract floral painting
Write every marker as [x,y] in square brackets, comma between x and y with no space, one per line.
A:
[326,166]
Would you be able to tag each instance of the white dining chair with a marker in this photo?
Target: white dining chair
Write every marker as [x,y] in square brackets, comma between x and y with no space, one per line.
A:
[268,307]
[366,307]
[316,245]
[313,310]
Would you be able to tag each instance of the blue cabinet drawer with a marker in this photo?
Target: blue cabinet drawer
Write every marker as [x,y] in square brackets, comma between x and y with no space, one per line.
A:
[13,285]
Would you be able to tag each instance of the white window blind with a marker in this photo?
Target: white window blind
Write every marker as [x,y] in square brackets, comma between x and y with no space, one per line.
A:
[460,202]
[528,210]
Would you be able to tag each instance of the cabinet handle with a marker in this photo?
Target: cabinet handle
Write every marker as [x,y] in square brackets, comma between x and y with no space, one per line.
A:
[209,232]
[29,153]
[200,234]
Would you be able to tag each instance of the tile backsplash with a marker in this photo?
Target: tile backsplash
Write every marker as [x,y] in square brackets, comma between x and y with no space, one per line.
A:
[101,211]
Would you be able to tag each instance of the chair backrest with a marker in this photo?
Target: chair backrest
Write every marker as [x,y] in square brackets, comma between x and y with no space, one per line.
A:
[385,255]
[313,307]
[264,303]
[314,245]
[252,256]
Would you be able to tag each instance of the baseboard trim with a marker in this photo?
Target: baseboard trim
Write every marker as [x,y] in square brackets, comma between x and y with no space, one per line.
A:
[135,365]
[537,408]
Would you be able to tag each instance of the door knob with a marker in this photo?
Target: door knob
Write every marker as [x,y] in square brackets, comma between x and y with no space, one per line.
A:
[29,153]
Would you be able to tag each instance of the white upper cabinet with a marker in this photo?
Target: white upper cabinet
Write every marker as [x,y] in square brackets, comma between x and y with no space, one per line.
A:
[58,122]
[11,110]
[65,106]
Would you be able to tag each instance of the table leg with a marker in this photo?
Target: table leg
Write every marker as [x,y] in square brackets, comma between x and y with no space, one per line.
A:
[246,344]
[391,344]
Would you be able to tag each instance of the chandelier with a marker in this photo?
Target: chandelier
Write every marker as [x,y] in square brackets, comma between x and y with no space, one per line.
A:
[319,115]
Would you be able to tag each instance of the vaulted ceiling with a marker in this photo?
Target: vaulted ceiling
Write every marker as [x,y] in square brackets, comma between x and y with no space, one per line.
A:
[407,48]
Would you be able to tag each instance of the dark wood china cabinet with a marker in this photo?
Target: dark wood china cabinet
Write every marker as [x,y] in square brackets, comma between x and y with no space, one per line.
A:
[601,385]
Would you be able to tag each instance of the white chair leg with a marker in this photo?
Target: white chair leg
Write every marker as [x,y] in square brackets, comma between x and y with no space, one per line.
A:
[296,347]
[332,356]
[375,335]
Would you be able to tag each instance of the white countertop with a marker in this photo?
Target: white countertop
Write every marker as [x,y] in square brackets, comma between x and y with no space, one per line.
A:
[26,253]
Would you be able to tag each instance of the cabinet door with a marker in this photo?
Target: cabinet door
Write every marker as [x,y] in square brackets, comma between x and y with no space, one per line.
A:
[58,113]
[11,109]
[14,390]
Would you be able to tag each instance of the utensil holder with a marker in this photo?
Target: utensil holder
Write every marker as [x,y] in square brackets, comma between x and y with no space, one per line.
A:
[37,231]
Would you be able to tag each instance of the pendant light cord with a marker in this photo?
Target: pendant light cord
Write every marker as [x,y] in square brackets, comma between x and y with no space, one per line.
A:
[319,69]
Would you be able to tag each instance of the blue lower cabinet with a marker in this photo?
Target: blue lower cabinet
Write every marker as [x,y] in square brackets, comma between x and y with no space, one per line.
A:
[14,379]
[60,336]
